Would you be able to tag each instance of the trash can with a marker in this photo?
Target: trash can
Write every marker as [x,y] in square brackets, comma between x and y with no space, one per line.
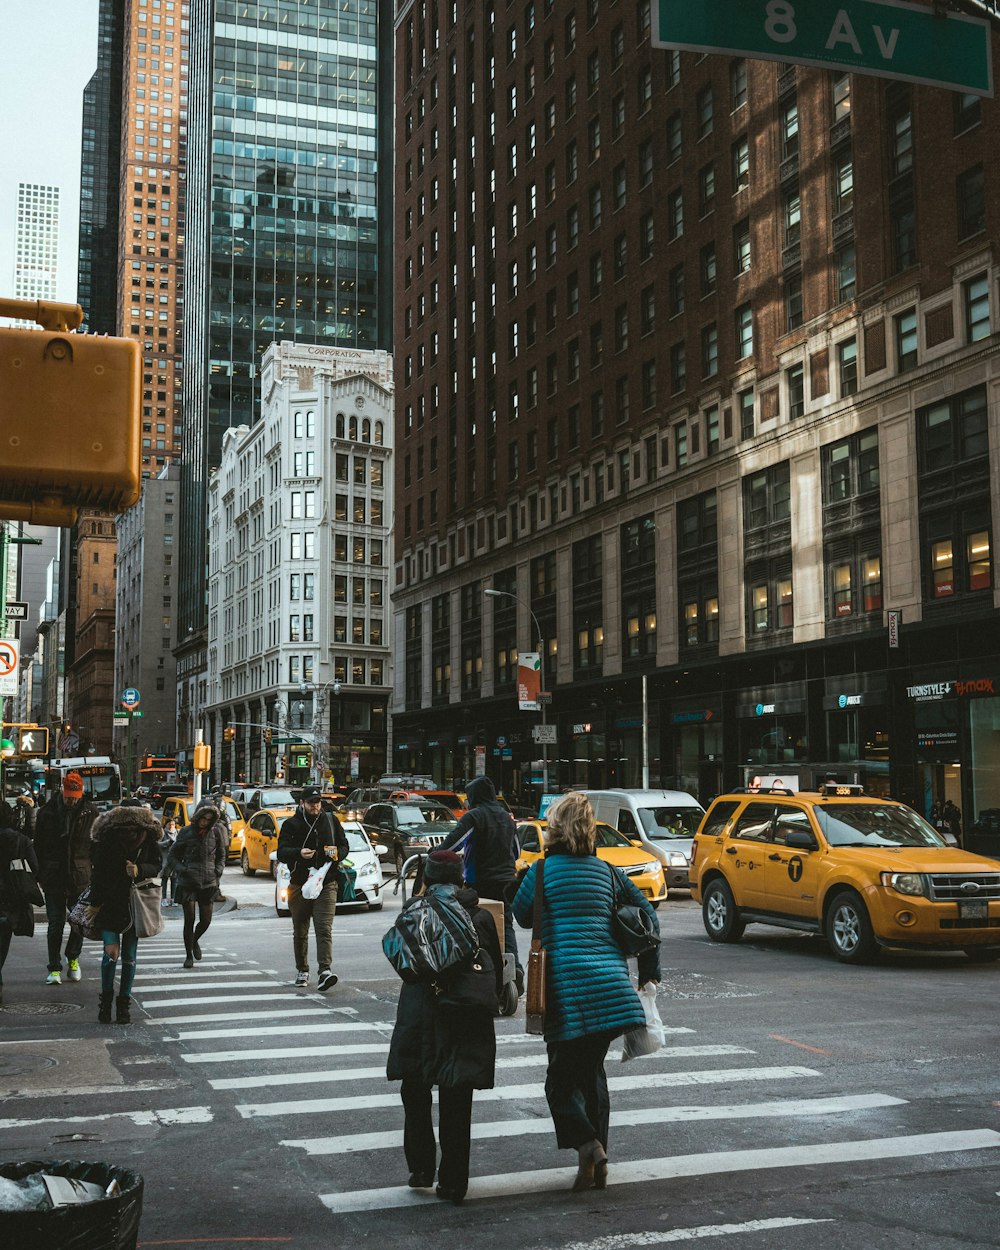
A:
[104,1224]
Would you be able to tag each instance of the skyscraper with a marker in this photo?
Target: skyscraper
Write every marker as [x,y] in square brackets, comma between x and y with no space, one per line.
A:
[289,224]
[36,250]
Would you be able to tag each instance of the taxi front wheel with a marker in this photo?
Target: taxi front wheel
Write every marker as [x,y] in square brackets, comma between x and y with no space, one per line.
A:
[849,931]
[245,865]
[722,920]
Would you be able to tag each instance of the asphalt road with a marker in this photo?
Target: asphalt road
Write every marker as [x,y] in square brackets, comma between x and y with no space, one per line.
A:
[800,1104]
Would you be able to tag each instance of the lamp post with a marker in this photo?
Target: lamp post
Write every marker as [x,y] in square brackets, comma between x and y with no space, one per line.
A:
[509,594]
[318,706]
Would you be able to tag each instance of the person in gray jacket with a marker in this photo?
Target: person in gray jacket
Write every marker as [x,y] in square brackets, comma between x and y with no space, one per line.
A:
[197,860]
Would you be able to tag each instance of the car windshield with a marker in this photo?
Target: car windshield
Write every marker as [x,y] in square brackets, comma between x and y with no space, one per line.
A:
[413,815]
[874,824]
[661,824]
[232,810]
[444,825]
[606,836]
[356,840]
[276,798]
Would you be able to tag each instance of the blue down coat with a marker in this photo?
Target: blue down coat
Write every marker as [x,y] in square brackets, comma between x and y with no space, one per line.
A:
[589,989]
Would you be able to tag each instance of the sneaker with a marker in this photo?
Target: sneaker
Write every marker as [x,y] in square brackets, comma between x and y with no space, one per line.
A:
[327,980]
[53,979]
[302,980]
[74,973]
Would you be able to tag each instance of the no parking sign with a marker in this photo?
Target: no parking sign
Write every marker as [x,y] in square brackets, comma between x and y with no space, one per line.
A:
[10,654]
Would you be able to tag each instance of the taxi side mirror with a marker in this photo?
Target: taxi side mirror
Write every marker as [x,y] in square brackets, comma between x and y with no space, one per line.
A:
[800,840]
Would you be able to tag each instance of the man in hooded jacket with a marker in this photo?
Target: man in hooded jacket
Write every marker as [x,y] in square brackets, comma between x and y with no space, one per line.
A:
[62,844]
[487,836]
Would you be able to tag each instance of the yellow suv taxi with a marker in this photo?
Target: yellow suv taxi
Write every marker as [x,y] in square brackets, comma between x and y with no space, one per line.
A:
[862,872]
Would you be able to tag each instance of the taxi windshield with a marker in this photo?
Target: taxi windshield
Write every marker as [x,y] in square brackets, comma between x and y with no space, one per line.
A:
[356,840]
[606,836]
[664,823]
[874,824]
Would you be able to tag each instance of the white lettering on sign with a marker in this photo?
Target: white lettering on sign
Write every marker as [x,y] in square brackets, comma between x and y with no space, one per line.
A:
[843,32]
[933,690]
[886,46]
[780,27]
[780,24]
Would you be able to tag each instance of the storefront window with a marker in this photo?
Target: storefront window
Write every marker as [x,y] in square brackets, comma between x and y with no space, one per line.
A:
[984,755]
[872,572]
[942,566]
[842,605]
[978,557]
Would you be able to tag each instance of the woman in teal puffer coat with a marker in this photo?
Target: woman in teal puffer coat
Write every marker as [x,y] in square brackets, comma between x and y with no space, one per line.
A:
[590,998]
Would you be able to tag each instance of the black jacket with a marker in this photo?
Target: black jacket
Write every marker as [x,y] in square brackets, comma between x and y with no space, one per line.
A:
[198,861]
[491,848]
[16,911]
[110,884]
[439,1045]
[299,833]
[62,844]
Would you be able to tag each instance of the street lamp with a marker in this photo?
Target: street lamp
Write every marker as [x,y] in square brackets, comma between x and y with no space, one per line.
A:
[318,706]
[509,594]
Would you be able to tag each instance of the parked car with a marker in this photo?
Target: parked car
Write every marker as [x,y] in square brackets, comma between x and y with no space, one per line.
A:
[662,821]
[159,793]
[861,872]
[364,861]
[183,809]
[643,868]
[406,828]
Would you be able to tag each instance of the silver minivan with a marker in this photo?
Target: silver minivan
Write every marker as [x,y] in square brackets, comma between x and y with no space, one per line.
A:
[662,821]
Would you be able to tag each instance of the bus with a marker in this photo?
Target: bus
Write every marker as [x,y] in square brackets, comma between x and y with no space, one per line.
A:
[157,769]
[102,780]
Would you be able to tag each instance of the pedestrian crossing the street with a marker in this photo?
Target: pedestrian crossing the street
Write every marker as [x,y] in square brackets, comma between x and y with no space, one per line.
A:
[309,1071]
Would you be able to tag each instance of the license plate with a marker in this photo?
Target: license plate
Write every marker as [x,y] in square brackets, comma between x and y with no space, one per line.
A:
[972,909]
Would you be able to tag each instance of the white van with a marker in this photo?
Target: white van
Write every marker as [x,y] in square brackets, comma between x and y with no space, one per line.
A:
[662,821]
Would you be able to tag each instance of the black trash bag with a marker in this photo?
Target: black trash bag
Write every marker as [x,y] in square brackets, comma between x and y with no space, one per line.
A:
[104,1224]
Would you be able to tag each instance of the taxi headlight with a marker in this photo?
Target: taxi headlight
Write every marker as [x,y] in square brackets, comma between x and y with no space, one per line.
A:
[904,882]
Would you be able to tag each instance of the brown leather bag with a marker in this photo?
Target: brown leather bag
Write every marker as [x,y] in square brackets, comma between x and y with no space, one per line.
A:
[534,1001]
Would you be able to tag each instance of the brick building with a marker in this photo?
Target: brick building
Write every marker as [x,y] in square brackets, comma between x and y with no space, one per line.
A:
[696,359]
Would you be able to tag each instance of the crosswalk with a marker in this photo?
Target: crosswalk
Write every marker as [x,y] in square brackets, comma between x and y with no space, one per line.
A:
[310,1072]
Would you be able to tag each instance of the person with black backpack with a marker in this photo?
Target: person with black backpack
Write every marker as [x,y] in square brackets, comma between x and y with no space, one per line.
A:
[444,1036]
[487,837]
[18,873]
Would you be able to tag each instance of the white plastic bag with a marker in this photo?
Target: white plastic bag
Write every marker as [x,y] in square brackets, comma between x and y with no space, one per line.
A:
[648,1038]
[313,885]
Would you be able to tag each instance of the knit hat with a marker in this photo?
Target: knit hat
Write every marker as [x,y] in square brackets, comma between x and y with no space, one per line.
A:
[73,786]
[443,868]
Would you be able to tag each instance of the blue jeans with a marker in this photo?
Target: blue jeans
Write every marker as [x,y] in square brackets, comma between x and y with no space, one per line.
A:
[55,911]
[129,944]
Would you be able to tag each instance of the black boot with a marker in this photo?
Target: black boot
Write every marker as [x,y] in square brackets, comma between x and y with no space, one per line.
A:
[104,1011]
[121,1009]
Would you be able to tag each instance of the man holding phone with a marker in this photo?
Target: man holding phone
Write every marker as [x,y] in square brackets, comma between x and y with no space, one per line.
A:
[312,839]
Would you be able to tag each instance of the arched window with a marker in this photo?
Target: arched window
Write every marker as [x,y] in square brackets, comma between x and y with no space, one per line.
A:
[366,431]
[353,429]
[378,433]
[340,425]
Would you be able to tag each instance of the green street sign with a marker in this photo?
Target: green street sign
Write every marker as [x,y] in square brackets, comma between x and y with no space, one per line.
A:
[285,741]
[887,38]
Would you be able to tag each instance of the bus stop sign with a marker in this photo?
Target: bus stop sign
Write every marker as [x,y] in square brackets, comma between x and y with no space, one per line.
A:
[887,38]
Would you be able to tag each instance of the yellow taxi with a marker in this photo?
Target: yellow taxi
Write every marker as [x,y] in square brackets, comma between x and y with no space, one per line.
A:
[182,809]
[862,872]
[261,838]
[643,870]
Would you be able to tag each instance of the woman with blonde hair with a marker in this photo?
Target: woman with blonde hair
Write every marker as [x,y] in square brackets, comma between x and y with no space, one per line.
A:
[590,998]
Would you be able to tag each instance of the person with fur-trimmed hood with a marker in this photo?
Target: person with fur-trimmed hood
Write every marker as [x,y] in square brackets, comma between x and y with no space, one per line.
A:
[123,849]
[197,860]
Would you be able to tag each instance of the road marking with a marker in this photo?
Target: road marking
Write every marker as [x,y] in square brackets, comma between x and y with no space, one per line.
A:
[353,1143]
[712,1076]
[84,1091]
[226,998]
[206,985]
[287,1013]
[175,1115]
[385,1026]
[621,1241]
[776,1037]
[643,1171]
[189,974]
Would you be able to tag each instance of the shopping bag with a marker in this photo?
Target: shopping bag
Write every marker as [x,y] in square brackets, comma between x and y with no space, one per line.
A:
[146,914]
[83,915]
[647,1038]
[312,887]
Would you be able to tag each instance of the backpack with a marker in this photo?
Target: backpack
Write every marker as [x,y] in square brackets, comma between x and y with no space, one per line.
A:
[432,934]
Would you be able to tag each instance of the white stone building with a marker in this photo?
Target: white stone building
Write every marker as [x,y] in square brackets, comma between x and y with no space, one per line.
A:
[299,541]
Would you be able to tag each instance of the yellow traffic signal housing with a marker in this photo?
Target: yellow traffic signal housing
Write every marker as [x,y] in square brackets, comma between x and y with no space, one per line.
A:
[267,736]
[69,418]
[202,757]
[32,740]
[229,733]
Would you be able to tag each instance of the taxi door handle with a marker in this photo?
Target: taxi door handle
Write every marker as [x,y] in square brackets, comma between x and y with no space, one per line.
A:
[730,850]
[775,857]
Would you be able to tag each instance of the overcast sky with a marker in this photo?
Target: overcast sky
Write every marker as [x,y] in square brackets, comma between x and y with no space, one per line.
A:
[49,54]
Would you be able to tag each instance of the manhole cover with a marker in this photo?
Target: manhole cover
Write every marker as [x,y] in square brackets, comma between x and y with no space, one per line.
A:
[26,1061]
[40,1009]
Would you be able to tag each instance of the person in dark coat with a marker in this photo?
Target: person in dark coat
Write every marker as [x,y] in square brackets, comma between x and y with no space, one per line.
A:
[487,836]
[15,913]
[62,844]
[307,840]
[590,998]
[197,862]
[451,1047]
[123,849]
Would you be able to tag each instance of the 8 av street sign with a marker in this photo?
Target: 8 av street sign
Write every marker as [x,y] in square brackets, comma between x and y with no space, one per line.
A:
[887,38]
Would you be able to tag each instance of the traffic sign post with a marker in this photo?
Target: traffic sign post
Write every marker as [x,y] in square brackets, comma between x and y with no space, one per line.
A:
[887,38]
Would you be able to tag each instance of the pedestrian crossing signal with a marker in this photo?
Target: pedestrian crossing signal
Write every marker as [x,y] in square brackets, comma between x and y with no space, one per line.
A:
[31,740]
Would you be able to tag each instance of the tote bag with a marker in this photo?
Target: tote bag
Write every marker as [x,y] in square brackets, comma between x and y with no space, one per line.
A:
[146,914]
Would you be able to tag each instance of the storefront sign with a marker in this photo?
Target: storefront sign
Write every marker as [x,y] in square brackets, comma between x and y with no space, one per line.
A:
[701,717]
[927,739]
[529,681]
[895,620]
[583,728]
[942,689]
[765,709]
[850,700]
[480,761]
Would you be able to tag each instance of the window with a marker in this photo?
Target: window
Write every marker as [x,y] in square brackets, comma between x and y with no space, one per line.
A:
[744,331]
[675,290]
[971,202]
[675,213]
[770,604]
[712,430]
[847,364]
[741,163]
[709,351]
[792,216]
[647,310]
[905,326]
[678,368]
[968,112]
[847,279]
[767,496]
[648,378]
[795,378]
[789,129]
[843,182]
[680,444]
[952,431]
[708,269]
[738,83]
[942,569]
[741,246]
[705,112]
[673,137]
[976,302]
[793,301]
[745,401]
[903,229]
[851,467]
[977,561]
[706,190]
[841,97]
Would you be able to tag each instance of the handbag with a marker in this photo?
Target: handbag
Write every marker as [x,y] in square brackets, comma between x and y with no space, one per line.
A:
[20,883]
[537,970]
[82,916]
[147,917]
[633,928]
[471,987]
[312,887]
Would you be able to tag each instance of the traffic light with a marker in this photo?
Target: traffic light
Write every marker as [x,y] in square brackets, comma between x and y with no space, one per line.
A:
[31,740]
[267,735]
[72,434]
[229,733]
[202,760]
